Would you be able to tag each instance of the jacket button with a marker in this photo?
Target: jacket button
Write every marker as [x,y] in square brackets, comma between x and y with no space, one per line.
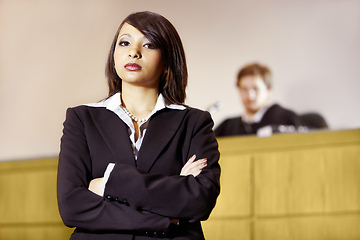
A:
[126,202]
[109,198]
[122,201]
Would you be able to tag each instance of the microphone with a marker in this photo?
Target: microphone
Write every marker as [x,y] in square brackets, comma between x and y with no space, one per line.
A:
[215,107]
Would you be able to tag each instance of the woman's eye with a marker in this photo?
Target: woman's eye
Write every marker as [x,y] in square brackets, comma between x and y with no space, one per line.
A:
[124,43]
[149,45]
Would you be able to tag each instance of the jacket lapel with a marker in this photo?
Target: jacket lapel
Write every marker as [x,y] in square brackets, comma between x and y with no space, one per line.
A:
[162,127]
[115,133]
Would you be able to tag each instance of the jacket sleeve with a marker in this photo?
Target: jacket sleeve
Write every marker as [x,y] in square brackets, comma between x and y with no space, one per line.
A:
[81,208]
[183,197]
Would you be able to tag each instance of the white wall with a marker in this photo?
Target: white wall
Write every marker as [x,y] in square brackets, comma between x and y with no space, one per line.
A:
[53,53]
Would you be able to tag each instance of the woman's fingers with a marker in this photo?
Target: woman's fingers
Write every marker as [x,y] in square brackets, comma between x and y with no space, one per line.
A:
[193,167]
[186,167]
[190,161]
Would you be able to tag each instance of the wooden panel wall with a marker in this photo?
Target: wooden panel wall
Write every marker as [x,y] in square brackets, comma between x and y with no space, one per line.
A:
[290,186]
[28,205]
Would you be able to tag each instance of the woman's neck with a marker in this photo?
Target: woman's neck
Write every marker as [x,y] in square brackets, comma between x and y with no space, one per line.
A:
[139,101]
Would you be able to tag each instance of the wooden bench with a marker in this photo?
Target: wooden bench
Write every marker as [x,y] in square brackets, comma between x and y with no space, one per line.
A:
[290,186]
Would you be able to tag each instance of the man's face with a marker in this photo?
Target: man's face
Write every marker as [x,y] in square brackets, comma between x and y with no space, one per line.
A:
[254,93]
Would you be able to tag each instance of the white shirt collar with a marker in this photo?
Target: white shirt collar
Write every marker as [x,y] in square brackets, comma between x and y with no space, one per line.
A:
[256,117]
[114,102]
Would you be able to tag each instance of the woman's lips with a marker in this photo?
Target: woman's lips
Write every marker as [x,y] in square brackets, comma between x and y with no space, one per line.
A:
[132,67]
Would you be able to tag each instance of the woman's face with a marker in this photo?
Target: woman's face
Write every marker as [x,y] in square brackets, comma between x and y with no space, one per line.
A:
[254,93]
[137,61]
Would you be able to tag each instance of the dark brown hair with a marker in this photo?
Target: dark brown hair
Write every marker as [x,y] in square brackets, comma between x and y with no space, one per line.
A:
[255,69]
[160,32]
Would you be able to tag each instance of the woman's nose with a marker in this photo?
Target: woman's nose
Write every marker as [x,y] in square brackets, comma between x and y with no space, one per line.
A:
[134,53]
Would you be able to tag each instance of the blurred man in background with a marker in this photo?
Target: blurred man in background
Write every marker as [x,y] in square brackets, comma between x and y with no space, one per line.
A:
[255,86]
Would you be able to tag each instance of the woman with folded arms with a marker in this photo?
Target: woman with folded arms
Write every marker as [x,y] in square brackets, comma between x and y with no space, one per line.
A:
[139,164]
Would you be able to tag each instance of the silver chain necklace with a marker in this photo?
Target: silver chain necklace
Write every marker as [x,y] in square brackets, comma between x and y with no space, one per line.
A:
[138,120]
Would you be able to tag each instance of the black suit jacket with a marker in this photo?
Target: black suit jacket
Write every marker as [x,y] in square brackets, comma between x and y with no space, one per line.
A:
[274,116]
[140,196]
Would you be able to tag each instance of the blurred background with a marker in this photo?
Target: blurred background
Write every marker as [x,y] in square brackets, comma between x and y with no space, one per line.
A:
[53,54]
[287,186]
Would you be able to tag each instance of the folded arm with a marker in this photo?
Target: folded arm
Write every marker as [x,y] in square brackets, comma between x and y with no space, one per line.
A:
[183,197]
[80,207]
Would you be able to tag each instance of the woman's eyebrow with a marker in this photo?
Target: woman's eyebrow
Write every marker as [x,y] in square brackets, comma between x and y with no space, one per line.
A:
[130,36]
[125,34]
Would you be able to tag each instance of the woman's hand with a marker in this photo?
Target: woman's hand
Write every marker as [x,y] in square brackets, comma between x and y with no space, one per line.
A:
[193,168]
[96,186]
